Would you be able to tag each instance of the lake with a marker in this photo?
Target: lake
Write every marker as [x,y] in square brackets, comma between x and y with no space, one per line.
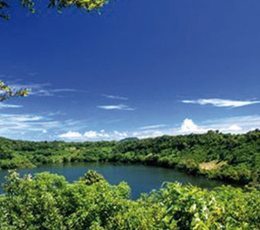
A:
[141,178]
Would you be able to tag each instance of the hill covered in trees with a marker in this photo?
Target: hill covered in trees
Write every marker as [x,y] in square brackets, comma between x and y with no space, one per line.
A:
[215,155]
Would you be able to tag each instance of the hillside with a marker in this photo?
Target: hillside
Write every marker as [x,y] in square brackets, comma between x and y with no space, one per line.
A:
[223,156]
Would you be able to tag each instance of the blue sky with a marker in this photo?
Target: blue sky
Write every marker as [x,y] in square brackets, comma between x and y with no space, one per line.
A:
[137,69]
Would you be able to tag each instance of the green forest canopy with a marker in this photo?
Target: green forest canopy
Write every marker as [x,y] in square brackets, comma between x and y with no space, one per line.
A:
[48,201]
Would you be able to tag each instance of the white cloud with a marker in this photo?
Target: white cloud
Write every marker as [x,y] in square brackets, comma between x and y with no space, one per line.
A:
[103,135]
[44,131]
[50,92]
[226,125]
[221,102]
[234,128]
[115,97]
[188,126]
[92,135]
[148,134]
[239,124]
[159,126]
[15,125]
[49,127]
[116,107]
[96,135]
[71,135]
[33,126]
[9,106]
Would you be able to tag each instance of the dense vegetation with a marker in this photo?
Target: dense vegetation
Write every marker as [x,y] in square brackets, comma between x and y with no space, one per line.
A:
[216,155]
[48,201]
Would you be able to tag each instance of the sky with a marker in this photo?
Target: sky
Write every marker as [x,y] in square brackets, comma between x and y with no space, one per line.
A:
[134,69]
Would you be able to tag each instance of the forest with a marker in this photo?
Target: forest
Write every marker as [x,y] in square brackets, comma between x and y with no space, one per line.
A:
[229,157]
[48,201]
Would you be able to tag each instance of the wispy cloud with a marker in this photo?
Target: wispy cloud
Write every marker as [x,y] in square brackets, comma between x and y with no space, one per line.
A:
[44,90]
[9,106]
[13,125]
[246,123]
[51,127]
[32,86]
[221,102]
[149,133]
[115,97]
[33,126]
[159,126]
[51,92]
[116,107]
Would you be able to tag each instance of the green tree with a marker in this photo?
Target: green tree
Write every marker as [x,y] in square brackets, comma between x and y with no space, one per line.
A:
[92,177]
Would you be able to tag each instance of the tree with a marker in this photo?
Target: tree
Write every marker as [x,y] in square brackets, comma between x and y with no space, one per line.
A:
[88,5]
[92,177]
[7,92]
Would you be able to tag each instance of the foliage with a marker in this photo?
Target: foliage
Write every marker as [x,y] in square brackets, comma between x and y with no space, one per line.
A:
[48,201]
[92,177]
[227,157]
[7,92]
[87,5]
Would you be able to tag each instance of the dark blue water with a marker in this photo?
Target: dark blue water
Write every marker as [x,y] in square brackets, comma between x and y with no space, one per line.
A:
[141,178]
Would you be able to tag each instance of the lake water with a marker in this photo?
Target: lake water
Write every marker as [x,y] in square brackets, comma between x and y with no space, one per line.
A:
[141,178]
